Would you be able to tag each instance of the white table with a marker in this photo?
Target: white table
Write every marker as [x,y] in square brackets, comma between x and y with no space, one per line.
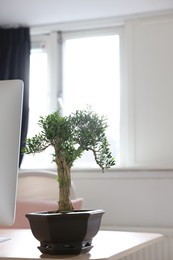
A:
[107,245]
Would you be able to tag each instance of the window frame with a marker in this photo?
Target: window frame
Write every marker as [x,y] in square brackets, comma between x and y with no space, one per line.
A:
[127,27]
[54,50]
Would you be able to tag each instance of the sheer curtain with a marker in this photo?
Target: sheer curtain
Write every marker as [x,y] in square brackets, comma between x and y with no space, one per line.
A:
[14,64]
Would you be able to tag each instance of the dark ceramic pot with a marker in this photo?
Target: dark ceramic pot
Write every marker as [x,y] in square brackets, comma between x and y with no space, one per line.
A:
[65,233]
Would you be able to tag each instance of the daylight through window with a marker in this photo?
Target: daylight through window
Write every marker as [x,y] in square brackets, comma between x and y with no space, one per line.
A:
[90,76]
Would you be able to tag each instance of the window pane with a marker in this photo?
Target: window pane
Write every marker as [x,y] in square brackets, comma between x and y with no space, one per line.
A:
[92,77]
[38,105]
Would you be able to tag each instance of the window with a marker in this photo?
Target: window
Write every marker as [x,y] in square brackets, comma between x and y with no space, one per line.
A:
[91,76]
[88,74]
[38,100]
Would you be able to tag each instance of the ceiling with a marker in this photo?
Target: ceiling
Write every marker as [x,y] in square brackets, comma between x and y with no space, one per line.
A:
[44,12]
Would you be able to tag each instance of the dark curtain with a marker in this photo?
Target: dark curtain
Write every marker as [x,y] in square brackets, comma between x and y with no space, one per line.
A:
[14,64]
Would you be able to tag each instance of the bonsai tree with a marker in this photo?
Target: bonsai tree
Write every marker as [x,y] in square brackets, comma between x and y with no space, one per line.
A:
[70,136]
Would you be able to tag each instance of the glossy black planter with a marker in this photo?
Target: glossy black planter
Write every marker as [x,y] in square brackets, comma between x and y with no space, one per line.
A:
[65,233]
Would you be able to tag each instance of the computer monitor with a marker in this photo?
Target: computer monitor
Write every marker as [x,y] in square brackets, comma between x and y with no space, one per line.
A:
[11,100]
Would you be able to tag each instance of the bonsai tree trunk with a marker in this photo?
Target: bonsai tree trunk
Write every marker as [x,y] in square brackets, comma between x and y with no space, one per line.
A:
[64,179]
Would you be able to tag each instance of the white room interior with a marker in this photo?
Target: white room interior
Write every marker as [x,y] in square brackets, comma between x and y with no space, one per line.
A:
[138,195]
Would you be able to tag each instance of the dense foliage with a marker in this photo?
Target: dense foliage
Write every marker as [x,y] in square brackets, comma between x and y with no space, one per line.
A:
[71,136]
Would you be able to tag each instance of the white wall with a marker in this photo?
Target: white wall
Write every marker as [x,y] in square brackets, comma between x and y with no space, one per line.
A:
[134,198]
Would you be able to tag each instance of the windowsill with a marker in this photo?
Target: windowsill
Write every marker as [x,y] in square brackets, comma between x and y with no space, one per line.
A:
[123,169]
[118,173]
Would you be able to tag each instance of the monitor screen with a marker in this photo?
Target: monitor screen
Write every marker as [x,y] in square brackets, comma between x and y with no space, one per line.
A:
[11,100]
